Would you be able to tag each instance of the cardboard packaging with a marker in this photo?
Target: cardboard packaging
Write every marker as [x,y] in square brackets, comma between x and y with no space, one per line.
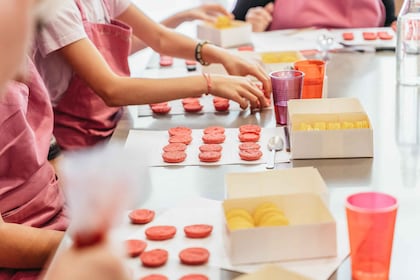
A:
[282,60]
[311,232]
[274,182]
[308,140]
[238,34]
[272,272]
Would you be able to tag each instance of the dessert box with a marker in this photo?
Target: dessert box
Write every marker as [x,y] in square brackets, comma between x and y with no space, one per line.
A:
[311,232]
[283,181]
[280,60]
[236,34]
[272,272]
[329,128]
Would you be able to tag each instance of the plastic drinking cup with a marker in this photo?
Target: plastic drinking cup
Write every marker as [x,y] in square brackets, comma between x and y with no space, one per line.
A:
[286,84]
[314,77]
[371,221]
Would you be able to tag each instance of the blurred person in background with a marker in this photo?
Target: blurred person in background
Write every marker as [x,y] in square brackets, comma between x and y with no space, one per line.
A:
[265,15]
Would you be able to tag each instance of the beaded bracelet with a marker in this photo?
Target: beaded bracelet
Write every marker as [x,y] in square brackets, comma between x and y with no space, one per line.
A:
[208,81]
[198,53]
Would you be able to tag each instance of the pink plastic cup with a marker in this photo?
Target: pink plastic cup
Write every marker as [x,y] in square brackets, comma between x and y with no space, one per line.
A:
[286,84]
[371,221]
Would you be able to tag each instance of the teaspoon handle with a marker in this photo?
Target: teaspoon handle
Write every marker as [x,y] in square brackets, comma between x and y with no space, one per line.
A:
[271,159]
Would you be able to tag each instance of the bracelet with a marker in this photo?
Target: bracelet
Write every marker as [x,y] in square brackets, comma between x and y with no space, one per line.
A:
[54,150]
[208,81]
[198,53]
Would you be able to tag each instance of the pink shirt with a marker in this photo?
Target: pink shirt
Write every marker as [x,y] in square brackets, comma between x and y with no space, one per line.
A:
[327,14]
[63,29]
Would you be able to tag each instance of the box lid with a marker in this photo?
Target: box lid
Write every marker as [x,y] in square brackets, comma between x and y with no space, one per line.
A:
[272,272]
[324,105]
[275,182]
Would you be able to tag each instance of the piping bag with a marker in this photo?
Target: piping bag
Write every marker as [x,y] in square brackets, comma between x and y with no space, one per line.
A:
[101,184]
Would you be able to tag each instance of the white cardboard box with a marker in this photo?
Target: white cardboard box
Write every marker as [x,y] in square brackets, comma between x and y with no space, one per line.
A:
[340,143]
[272,272]
[300,193]
[282,60]
[274,182]
[311,232]
[237,35]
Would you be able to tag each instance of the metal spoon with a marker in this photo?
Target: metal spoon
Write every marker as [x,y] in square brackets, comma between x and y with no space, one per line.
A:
[274,144]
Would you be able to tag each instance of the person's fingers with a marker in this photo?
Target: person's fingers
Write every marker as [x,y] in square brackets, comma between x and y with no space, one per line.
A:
[213,8]
[208,18]
[394,25]
[262,14]
[259,18]
[269,8]
[252,94]
[260,74]
[211,12]
[261,100]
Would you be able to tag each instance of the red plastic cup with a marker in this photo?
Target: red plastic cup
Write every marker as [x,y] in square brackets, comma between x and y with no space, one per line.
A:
[286,84]
[314,77]
[371,221]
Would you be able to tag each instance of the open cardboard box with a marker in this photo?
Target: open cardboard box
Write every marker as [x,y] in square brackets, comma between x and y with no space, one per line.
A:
[301,194]
[272,272]
[274,182]
[238,34]
[281,60]
[311,232]
[336,143]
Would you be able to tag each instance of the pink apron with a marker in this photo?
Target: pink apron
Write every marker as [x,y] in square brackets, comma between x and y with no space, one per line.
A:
[81,117]
[29,191]
[327,14]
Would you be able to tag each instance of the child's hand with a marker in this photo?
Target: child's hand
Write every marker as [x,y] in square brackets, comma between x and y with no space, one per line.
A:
[239,89]
[93,262]
[238,66]
[208,12]
[260,17]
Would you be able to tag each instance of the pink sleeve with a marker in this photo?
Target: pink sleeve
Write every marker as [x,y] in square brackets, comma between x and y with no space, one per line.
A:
[117,7]
[61,30]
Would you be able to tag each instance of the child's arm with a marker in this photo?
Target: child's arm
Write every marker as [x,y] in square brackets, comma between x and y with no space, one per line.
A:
[87,62]
[166,41]
[26,247]
[207,12]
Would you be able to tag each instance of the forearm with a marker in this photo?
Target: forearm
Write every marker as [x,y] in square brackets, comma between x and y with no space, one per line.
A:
[132,91]
[26,247]
[137,44]
[176,19]
[156,36]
